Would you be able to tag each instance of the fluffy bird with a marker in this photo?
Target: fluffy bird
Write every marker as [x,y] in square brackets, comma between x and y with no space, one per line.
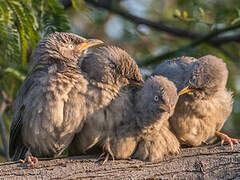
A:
[145,134]
[135,123]
[60,93]
[112,69]
[45,114]
[199,114]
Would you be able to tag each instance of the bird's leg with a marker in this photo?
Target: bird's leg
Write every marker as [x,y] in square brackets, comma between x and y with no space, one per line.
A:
[226,138]
[106,157]
[31,160]
[100,157]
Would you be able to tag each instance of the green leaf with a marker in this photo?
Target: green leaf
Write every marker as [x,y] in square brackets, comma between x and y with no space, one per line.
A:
[79,5]
[54,18]
[15,73]
[20,20]
[9,37]
[238,11]
[235,21]
[202,11]
[185,14]
[74,4]
[177,13]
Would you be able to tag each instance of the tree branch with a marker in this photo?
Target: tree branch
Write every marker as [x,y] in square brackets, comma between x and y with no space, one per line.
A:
[174,53]
[159,26]
[209,162]
[226,39]
[211,38]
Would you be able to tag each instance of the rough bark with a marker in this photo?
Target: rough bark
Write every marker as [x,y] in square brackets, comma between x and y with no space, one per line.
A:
[209,162]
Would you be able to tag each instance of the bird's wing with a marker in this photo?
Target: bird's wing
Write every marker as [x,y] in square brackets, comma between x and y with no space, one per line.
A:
[17,149]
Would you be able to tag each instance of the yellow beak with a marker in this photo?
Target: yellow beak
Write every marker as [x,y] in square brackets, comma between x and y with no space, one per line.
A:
[136,83]
[89,43]
[185,90]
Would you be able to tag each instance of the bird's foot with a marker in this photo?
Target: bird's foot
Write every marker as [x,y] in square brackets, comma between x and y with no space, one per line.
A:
[226,138]
[101,157]
[30,160]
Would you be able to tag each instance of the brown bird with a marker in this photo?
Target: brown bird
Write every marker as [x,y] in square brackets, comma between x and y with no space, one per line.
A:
[113,69]
[45,114]
[134,124]
[201,113]
[144,134]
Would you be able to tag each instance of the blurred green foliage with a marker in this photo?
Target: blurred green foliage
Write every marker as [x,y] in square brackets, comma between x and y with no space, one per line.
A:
[24,22]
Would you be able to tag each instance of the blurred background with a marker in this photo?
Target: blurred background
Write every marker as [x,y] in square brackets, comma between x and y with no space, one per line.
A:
[149,30]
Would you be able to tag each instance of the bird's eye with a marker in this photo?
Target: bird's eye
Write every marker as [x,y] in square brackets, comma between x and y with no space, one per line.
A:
[70,46]
[156,98]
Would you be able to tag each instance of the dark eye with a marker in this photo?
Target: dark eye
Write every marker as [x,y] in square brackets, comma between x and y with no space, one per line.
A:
[70,46]
[156,98]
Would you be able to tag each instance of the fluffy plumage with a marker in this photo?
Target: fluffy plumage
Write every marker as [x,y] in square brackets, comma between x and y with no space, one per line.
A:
[65,86]
[145,134]
[45,114]
[134,124]
[112,69]
[203,111]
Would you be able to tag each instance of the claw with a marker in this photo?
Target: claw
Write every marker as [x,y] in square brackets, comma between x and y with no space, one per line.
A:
[101,156]
[226,138]
[105,159]
[21,161]
[30,160]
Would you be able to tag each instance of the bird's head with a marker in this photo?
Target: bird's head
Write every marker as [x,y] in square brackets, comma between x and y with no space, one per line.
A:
[157,97]
[208,75]
[111,65]
[61,46]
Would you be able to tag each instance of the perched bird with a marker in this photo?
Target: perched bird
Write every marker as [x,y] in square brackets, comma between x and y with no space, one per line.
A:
[45,114]
[145,134]
[135,123]
[200,113]
[112,69]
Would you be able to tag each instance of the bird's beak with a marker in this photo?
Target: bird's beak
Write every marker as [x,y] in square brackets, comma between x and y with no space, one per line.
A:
[89,43]
[185,90]
[136,83]
[165,107]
